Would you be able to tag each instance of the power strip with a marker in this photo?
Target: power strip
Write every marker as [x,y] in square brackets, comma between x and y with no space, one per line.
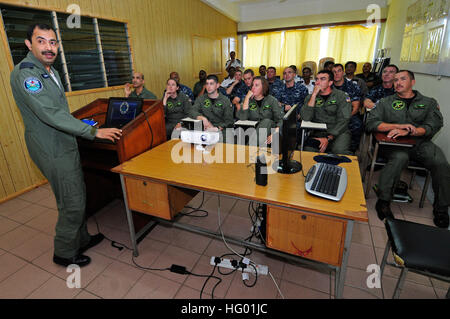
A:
[226,263]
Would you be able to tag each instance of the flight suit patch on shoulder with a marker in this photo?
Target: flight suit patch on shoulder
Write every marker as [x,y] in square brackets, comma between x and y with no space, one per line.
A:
[398,105]
[32,85]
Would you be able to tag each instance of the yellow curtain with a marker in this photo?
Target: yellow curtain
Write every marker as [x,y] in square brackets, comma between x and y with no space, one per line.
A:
[300,46]
[263,48]
[352,43]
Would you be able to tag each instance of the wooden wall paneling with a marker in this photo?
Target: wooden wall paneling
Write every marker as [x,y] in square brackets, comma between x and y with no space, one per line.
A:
[6,181]
[11,141]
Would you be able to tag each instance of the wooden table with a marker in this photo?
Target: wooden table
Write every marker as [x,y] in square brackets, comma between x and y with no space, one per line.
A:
[298,224]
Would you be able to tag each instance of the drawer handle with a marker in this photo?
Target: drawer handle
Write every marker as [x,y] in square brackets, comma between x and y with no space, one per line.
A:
[304,217]
[147,203]
[300,252]
[145,183]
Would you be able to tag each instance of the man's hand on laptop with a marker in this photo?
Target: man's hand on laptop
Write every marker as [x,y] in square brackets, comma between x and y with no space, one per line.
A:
[109,133]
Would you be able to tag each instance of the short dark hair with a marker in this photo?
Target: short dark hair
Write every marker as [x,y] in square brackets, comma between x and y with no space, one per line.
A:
[249,71]
[293,67]
[410,74]
[351,62]
[262,65]
[327,63]
[264,83]
[338,65]
[213,77]
[392,66]
[330,74]
[307,67]
[41,26]
[272,67]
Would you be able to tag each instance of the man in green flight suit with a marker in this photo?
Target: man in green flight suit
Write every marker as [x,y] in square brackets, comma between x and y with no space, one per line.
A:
[409,113]
[50,135]
[140,90]
[213,108]
[332,107]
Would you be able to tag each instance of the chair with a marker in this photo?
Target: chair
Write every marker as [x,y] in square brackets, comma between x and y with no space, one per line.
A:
[305,129]
[312,65]
[323,60]
[375,159]
[417,248]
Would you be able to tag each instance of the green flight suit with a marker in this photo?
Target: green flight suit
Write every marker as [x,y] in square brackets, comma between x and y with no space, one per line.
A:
[50,135]
[145,94]
[269,114]
[219,113]
[335,112]
[423,112]
[175,110]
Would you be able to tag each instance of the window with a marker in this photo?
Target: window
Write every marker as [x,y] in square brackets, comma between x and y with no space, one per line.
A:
[95,55]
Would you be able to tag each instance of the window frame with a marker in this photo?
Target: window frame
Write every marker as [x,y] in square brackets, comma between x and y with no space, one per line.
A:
[52,13]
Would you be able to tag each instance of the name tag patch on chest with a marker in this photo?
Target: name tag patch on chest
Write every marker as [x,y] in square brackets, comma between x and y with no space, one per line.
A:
[33,85]
[419,106]
[398,105]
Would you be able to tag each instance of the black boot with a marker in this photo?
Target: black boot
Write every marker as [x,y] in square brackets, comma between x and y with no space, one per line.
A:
[80,260]
[383,209]
[441,218]
[94,241]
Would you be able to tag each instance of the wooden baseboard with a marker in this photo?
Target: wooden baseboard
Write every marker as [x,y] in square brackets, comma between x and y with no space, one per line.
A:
[25,190]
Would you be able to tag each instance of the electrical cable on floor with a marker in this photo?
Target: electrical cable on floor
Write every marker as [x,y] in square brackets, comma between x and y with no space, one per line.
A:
[226,244]
[190,214]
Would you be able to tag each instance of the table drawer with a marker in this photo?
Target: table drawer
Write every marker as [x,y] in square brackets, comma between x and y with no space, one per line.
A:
[308,235]
[148,197]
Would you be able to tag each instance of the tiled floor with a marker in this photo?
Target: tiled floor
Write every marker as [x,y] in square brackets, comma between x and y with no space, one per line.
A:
[27,271]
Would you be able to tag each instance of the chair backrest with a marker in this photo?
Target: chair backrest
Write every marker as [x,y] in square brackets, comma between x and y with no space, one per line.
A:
[312,65]
[323,60]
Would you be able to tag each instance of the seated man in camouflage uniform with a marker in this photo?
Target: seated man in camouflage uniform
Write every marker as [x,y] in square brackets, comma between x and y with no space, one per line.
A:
[213,108]
[290,93]
[409,113]
[384,89]
[332,107]
[238,92]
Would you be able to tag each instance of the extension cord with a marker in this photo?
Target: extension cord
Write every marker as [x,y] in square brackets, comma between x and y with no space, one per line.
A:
[226,263]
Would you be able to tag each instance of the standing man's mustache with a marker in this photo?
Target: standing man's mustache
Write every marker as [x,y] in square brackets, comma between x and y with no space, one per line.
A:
[48,52]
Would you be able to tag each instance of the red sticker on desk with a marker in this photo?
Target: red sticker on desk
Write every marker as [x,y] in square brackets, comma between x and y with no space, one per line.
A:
[300,252]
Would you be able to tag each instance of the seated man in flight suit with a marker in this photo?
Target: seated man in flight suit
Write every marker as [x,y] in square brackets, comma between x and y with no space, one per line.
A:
[409,113]
[332,107]
[213,108]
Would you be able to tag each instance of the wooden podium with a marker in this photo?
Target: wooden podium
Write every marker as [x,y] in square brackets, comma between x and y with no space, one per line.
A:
[146,131]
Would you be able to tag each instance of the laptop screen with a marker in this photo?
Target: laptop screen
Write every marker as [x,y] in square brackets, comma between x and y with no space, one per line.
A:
[122,110]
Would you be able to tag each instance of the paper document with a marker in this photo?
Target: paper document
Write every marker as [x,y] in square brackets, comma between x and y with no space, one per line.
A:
[313,125]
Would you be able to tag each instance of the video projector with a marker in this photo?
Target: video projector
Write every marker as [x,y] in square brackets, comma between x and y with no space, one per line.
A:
[200,138]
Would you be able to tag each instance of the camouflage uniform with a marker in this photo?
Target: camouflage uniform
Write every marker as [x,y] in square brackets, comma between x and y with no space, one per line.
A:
[184,89]
[240,91]
[335,112]
[379,92]
[290,96]
[423,112]
[356,124]
[273,86]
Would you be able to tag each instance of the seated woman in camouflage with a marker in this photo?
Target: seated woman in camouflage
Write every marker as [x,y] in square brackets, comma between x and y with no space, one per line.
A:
[176,106]
[259,106]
